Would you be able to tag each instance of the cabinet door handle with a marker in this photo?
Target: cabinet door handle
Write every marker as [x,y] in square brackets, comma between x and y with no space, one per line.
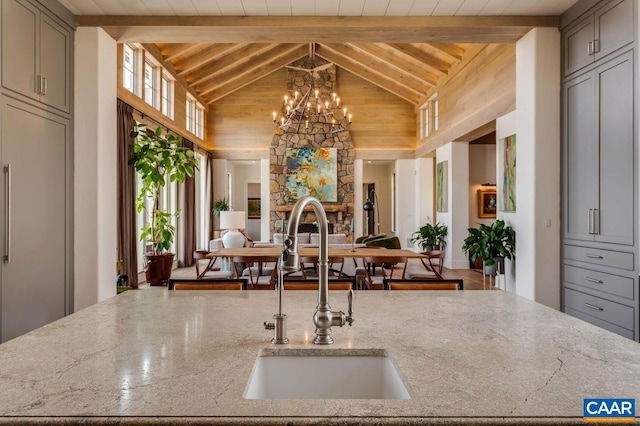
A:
[590,221]
[596,221]
[593,280]
[597,308]
[590,48]
[7,213]
[596,46]
[44,86]
[38,83]
[593,256]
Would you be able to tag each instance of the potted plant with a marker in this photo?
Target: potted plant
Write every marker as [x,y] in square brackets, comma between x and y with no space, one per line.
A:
[431,237]
[491,243]
[220,205]
[158,158]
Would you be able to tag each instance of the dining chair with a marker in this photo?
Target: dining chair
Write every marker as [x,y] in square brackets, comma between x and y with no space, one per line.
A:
[260,275]
[428,262]
[434,284]
[389,266]
[208,284]
[361,271]
[313,260]
[312,284]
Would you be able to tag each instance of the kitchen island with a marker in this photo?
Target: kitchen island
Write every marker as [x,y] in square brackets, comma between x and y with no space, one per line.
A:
[467,357]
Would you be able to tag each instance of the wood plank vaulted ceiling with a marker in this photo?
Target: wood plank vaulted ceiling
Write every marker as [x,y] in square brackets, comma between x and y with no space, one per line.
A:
[402,46]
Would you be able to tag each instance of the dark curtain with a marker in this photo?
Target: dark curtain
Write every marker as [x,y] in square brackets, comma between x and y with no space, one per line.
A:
[126,226]
[187,197]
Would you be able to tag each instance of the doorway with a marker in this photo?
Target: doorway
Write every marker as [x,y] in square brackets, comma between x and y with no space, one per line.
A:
[253,210]
[370,207]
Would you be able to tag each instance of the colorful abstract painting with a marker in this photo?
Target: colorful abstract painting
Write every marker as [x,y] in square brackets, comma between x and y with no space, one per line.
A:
[312,171]
[507,173]
[441,186]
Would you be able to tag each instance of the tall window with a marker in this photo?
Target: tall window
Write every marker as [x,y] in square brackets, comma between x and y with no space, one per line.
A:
[434,113]
[199,126]
[191,110]
[195,117]
[429,119]
[167,95]
[424,117]
[130,69]
[151,83]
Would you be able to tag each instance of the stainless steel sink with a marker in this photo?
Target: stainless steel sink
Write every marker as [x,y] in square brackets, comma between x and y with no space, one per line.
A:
[325,374]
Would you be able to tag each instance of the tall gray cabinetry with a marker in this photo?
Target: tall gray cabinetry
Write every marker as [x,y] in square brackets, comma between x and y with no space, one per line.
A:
[35,161]
[600,241]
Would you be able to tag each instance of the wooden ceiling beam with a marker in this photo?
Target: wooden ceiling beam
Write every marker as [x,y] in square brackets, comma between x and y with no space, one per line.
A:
[309,29]
[210,53]
[171,51]
[240,53]
[433,62]
[392,59]
[381,68]
[241,61]
[285,58]
[367,74]
[452,50]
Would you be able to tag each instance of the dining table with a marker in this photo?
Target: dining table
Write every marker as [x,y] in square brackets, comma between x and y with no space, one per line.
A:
[276,251]
[357,253]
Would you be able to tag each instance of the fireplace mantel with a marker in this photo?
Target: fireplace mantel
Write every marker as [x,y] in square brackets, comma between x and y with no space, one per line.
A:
[329,208]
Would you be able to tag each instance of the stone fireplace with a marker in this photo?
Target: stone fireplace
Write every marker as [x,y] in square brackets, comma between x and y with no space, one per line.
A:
[339,213]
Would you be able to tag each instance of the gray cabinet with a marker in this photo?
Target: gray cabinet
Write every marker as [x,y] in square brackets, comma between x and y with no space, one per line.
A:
[36,54]
[35,217]
[600,33]
[599,169]
[599,154]
[36,178]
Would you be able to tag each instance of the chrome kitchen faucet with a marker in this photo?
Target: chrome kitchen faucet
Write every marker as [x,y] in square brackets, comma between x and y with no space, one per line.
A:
[324,318]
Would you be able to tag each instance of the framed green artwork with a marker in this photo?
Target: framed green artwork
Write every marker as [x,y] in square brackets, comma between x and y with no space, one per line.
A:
[441,186]
[507,173]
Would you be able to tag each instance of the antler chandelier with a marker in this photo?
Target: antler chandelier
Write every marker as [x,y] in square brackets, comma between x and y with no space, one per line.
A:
[313,112]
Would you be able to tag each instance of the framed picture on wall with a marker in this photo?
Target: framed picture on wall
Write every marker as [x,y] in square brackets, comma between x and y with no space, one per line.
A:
[441,186]
[507,173]
[253,208]
[487,203]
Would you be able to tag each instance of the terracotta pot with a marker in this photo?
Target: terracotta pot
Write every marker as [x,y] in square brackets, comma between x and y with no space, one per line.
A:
[157,269]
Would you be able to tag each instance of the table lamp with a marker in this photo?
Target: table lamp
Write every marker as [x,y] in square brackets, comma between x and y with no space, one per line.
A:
[232,221]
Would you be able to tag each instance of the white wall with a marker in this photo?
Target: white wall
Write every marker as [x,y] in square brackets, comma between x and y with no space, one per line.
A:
[424,194]
[265,212]
[457,217]
[405,201]
[358,197]
[482,169]
[380,175]
[219,185]
[95,166]
[537,219]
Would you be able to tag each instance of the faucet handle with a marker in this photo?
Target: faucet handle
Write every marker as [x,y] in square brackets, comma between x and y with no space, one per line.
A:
[350,317]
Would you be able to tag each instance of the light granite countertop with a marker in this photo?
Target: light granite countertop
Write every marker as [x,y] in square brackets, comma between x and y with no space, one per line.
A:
[478,357]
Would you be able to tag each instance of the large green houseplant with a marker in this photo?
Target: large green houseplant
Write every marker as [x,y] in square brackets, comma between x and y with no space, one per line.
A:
[431,237]
[159,158]
[491,243]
